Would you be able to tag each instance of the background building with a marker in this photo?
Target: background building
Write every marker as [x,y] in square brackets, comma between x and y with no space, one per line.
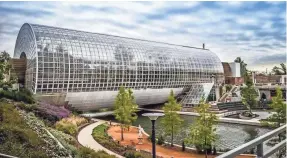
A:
[86,69]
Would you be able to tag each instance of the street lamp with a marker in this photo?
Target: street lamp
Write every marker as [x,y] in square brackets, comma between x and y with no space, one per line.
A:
[153,117]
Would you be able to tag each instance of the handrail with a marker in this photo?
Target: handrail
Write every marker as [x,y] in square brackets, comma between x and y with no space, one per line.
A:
[257,141]
[8,156]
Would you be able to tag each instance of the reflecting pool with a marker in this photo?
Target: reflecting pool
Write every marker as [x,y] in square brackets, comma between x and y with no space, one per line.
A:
[229,135]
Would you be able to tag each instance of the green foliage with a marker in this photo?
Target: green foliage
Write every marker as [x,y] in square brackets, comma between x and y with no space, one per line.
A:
[27,107]
[249,95]
[66,127]
[160,140]
[202,133]
[228,87]
[279,107]
[16,138]
[171,121]
[68,141]
[125,108]
[243,66]
[23,95]
[133,154]
[100,135]
[279,70]
[85,152]
[5,70]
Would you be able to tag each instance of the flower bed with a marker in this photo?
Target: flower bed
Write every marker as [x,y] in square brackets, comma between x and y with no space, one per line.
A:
[101,136]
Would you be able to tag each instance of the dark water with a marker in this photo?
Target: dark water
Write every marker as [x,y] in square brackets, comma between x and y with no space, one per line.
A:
[229,135]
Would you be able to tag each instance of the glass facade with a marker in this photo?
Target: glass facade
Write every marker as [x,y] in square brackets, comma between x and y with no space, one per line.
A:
[82,63]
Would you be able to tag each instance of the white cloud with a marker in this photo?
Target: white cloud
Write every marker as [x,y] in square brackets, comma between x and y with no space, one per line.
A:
[224,32]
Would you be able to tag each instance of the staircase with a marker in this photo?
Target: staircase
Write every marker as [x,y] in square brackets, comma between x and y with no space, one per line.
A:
[19,69]
[214,109]
[225,95]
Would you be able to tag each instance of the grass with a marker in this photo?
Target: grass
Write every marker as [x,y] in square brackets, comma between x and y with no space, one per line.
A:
[16,138]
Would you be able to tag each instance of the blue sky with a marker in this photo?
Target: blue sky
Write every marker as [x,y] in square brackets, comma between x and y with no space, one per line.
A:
[255,31]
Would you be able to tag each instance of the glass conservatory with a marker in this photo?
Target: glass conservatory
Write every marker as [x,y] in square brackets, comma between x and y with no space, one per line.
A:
[89,68]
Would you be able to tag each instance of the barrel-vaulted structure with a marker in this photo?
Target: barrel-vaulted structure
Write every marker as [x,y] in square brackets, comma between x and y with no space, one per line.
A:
[89,68]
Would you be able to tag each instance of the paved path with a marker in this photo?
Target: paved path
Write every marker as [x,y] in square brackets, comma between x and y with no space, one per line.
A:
[86,139]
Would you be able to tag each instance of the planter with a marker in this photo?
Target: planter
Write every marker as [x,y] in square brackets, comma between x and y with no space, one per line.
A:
[241,116]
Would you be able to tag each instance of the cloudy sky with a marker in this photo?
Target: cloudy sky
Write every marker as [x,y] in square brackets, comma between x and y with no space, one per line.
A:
[255,31]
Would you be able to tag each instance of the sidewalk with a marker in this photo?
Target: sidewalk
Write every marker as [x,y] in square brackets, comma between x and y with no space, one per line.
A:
[86,139]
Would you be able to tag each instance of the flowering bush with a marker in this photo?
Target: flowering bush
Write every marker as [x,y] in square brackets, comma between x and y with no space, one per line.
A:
[51,112]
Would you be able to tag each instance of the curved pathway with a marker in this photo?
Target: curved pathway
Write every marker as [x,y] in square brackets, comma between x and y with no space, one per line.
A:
[86,139]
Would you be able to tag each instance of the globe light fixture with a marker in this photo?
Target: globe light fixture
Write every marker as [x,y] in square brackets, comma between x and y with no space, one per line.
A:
[153,117]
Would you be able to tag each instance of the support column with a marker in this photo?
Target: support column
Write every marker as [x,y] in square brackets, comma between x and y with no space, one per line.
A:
[259,152]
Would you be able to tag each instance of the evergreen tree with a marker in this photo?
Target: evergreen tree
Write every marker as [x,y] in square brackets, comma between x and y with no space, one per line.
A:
[171,121]
[202,133]
[125,108]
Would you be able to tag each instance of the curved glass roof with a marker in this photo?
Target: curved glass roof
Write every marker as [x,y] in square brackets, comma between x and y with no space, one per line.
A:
[65,60]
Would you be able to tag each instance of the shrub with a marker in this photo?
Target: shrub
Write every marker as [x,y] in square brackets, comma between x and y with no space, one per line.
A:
[27,107]
[85,152]
[66,127]
[18,96]
[55,112]
[160,140]
[132,154]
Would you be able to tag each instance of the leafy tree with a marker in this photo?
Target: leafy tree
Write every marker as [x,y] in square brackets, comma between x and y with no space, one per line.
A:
[279,70]
[279,107]
[202,132]
[171,121]
[243,65]
[279,117]
[5,68]
[132,107]
[249,95]
[125,108]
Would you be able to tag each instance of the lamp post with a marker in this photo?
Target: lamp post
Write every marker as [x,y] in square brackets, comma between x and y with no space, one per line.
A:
[153,117]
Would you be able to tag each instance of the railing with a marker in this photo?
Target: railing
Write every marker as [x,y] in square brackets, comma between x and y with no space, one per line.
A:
[7,156]
[259,143]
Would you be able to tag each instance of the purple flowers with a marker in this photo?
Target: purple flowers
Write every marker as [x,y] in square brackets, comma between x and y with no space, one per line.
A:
[57,111]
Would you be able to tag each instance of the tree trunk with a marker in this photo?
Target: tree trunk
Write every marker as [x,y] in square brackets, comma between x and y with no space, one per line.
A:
[122,133]
[172,135]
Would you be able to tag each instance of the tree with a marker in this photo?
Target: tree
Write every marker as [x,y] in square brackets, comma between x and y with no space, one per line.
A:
[279,70]
[202,132]
[279,107]
[125,108]
[171,121]
[279,117]
[249,95]
[5,70]
[132,108]
[243,65]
